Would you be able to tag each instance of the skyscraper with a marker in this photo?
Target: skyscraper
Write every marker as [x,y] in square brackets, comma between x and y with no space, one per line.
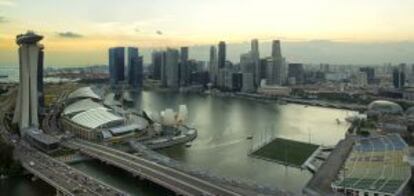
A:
[370,71]
[135,68]
[184,69]
[263,68]
[296,71]
[248,69]
[248,82]
[171,67]
[213,69]
[276,69]
[164,68]
[30,57]
[221,64]
[276,52]
[116,65]
[221,55]
[156,63]
[256,60]
[398,77]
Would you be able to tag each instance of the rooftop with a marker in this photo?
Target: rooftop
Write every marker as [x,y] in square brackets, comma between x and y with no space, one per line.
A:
[84,92]
[97,117]
[28,38]
[80,106]
[385,107]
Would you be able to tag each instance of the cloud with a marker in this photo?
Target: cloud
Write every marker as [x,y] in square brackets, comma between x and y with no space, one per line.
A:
[69,34]
[2,19]
[159,32]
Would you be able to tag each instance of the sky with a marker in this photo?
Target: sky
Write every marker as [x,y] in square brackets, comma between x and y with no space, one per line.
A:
[79,32]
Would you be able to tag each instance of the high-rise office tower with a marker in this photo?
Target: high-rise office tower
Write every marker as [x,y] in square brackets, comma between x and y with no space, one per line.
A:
[30,57]
[213,69]
[370,71]
[117,65]
[228,74]
[221,64]
[247,82]
[135,68]
[156,63]
[398,77]
[247,65]
[221,55]
[263,68]
[237,81]
[171,68]
[184,67]
[277,70]
[256,59]
[164,68]
[296,72]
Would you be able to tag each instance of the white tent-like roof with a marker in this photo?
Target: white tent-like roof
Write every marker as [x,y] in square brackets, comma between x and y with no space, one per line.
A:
[84,92]
[97,117]
[80,106]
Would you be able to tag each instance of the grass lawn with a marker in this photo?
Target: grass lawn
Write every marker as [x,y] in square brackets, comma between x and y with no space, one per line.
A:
[286,151]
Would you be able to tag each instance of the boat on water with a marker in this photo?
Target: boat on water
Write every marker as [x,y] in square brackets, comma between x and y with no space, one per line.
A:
[188,144]
[249,137]
[4,76]
[338,121]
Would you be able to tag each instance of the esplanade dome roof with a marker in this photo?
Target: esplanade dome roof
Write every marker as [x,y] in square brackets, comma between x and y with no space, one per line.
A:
[385,107]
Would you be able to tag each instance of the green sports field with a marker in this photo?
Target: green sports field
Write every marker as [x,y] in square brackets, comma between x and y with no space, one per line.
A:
[285,151]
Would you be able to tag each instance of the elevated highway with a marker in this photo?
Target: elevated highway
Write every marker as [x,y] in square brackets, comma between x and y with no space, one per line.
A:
[172,179]
[66,180]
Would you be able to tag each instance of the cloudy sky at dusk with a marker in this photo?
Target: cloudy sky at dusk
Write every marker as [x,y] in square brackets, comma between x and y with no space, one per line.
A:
[80,31]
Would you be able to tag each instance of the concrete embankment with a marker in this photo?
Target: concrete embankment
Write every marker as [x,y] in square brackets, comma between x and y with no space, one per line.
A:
[320,183]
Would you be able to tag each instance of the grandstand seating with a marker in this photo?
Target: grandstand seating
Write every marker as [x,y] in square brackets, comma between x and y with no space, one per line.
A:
[376,165]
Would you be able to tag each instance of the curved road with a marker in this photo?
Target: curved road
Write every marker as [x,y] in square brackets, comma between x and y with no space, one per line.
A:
[170,178]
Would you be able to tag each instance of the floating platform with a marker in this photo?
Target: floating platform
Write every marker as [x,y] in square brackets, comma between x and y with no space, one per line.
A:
[287,152]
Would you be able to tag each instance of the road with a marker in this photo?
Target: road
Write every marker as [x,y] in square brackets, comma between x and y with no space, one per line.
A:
[170,178]
[64,178]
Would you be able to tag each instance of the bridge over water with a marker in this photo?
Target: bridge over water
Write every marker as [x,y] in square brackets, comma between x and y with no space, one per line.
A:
[170,178]
[66,180]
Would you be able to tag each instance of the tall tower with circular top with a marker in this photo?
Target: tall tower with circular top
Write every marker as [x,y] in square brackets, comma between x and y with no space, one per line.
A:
[30,56]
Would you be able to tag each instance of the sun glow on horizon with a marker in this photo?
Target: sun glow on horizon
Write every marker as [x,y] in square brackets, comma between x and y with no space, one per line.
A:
[87,25]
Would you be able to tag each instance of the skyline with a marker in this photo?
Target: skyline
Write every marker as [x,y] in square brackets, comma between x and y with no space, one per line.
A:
[82,31]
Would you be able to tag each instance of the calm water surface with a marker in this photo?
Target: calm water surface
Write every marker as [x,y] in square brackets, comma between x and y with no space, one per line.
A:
[221,146]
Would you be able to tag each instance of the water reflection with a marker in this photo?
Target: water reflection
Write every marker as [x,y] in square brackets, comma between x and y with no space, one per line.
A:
[221,147]
[224,123]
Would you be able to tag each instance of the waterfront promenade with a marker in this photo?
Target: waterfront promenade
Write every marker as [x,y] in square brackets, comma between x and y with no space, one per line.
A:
[320,183]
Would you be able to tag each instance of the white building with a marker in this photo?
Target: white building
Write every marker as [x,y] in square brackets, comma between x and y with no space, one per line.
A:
[26,110]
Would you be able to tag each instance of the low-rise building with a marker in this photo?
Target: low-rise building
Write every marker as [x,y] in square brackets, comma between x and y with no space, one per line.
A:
[274,90]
